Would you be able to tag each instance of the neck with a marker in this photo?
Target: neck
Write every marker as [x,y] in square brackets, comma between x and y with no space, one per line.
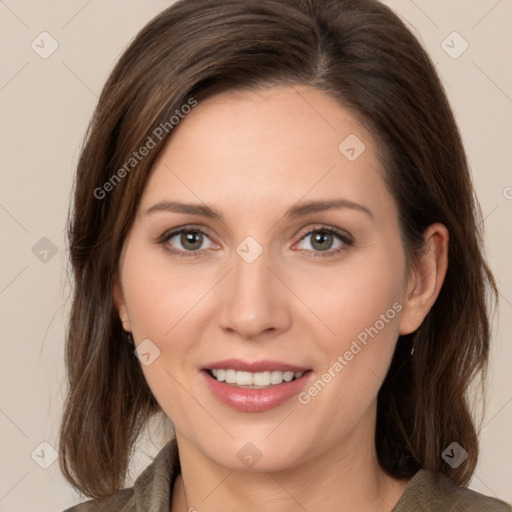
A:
[347,478]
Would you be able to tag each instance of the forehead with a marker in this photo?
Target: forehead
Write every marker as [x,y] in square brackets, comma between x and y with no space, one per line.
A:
[259,149]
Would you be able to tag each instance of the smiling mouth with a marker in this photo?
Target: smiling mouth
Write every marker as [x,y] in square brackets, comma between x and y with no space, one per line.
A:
[254,380]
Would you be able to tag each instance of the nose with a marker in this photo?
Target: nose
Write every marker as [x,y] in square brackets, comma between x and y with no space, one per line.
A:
[254,299]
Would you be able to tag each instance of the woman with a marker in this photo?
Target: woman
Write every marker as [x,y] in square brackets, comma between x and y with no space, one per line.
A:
[276,243]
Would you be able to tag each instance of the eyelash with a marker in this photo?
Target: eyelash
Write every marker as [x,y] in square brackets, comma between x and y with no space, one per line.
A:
[164,239]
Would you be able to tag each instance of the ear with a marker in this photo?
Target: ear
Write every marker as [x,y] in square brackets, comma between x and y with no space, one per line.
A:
[425,280]
[120,304]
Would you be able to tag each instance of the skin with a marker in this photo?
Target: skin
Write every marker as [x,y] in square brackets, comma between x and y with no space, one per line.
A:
[252,156]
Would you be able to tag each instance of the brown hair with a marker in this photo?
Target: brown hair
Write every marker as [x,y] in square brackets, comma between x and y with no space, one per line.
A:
[360,53]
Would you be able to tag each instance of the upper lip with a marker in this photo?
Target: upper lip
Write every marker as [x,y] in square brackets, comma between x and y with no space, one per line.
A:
[254,366]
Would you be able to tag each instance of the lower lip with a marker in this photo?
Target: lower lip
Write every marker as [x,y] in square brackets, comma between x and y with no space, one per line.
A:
[255,400]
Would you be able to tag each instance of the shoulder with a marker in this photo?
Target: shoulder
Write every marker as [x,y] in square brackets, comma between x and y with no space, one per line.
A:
[433,492]
[151,492]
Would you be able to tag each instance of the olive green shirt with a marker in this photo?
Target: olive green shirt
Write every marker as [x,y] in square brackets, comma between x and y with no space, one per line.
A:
[151,492]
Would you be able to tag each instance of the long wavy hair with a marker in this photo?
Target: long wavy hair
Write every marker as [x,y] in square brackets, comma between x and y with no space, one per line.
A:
[360,53]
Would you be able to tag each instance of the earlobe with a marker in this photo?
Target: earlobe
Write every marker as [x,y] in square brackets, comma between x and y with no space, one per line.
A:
[120,304]
[426,279]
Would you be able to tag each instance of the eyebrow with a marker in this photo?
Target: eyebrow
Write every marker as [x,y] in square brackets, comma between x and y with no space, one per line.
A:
[296,211]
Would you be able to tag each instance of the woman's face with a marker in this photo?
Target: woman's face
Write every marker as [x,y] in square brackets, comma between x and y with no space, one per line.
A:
[274,285]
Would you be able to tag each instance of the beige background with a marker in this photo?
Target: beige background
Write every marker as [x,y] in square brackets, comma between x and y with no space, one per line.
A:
[45,105]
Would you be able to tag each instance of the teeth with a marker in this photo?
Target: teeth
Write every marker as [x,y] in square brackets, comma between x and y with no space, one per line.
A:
[230,377]
[257,379]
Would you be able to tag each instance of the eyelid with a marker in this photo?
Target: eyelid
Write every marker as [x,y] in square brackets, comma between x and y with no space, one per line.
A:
[330,229]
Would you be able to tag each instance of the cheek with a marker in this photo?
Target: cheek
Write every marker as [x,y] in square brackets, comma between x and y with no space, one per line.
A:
[363,312]
[160,296]
[160,299]
[364,317]
[362,294]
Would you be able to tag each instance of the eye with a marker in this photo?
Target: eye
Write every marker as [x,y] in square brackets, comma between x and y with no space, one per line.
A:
[190,239]
[323,239]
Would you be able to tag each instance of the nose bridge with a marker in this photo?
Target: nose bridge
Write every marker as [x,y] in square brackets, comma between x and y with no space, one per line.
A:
[253,303]
[250,267]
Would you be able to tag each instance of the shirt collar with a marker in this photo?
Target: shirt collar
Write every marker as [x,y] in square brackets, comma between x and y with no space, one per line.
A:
[153,487]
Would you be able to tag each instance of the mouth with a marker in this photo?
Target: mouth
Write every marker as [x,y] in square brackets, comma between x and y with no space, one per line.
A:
[254,386]
[253,380]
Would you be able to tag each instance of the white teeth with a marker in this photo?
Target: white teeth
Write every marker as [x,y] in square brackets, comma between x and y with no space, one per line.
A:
[288,376]
[257,379]
[230,376]
[243,379]
[261,379]
[276,377]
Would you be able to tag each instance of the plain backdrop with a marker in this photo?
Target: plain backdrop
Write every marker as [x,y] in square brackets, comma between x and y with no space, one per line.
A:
[46,101]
